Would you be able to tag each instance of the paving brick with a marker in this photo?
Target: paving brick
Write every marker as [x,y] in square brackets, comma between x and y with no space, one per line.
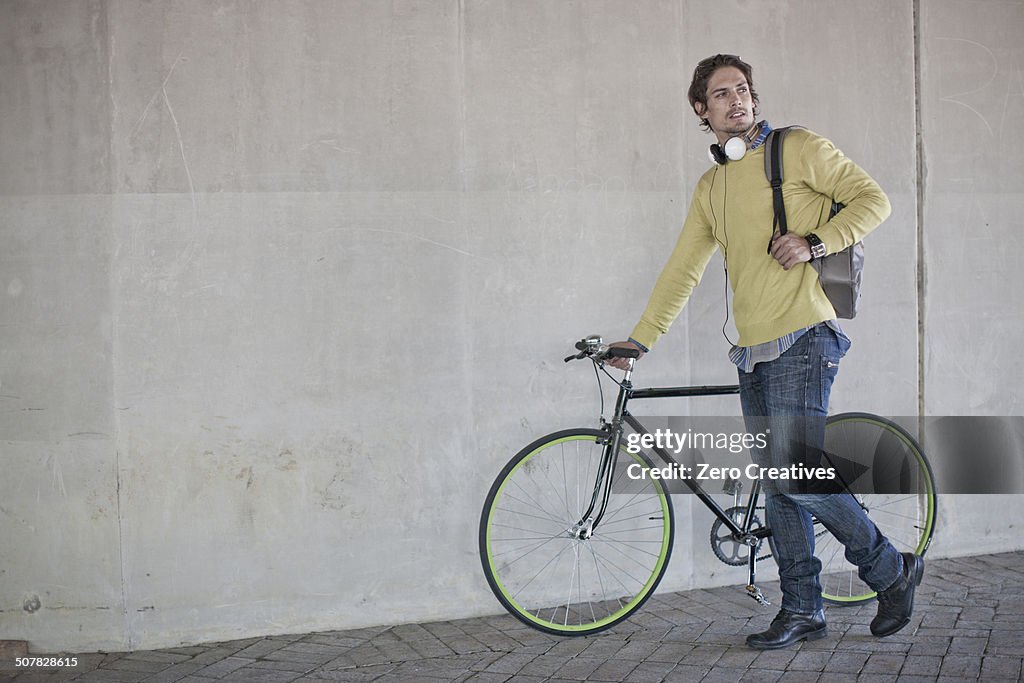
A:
[687,633]
[761,675]
[874,677]
[431,649]
[846,662]
[212,655]
[466,644]
[511,663]
[649,672]
[569,647]
[962,666]
[447,669]
[166,658]
[254,675]
[176,672]
[366,673]
[412,632]
[777,660]
[545,665]
[112,676]
[367,655]
[605,647]
[579,668]
[703,655]
[839,677]
[395,652]
[614,670]
[1001,668]
[224,667]
[967,646]
[921,665]
[283,665]
[929,645]
[686,673]
[884,664]
[672,652]
[723,674]
[497,641]
[799,677]
[286,654]
[741,657]
[478,678]
[637,649]
[810,661]
[139,665]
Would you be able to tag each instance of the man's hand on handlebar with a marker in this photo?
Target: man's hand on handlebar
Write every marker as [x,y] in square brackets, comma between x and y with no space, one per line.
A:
[623,363]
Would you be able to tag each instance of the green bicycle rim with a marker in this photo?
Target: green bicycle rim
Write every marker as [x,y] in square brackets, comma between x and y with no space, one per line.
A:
[642,595]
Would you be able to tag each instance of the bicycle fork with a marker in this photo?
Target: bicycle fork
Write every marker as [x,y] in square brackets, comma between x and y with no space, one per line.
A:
[584,528]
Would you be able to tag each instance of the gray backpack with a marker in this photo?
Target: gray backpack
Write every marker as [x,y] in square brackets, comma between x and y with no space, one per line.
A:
[840,274]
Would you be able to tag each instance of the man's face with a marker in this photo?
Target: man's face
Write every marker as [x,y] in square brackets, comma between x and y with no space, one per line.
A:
[730,108]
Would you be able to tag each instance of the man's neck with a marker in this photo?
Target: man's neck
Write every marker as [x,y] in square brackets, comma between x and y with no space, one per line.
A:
[747,136]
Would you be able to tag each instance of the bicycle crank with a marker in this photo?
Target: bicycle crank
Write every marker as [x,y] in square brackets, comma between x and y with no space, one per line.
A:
[728,548]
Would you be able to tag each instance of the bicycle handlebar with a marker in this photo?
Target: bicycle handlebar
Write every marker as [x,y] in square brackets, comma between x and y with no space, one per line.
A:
[592,347]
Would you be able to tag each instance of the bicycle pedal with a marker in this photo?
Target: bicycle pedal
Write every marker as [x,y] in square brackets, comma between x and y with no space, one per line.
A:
[756,594]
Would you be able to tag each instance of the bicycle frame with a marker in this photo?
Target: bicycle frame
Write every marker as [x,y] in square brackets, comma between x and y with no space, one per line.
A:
[603,485]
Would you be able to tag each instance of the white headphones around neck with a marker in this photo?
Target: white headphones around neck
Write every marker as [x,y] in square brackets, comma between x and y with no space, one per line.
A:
[733,150]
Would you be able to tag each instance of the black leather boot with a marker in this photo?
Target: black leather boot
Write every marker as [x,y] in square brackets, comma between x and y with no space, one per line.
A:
[896,603]
[789,628]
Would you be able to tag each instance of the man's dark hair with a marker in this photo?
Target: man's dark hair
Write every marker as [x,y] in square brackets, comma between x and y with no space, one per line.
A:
[702,74]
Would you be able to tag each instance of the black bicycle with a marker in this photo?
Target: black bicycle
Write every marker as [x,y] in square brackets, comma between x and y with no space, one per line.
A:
[570,549]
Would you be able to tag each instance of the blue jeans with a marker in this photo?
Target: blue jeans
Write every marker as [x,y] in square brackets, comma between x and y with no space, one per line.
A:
[790,395]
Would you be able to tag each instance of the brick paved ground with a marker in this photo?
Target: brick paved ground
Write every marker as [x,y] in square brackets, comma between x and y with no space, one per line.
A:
[968,625]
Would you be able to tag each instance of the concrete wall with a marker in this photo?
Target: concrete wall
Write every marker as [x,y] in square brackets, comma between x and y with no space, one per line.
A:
[283,284]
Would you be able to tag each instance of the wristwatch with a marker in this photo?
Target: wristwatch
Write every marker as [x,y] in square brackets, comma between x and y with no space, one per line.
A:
[814,242]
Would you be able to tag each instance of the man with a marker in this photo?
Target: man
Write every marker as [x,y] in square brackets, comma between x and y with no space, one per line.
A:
[789,344]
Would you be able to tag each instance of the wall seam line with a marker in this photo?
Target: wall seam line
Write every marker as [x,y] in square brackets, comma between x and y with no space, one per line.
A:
[114,294]
[920,183]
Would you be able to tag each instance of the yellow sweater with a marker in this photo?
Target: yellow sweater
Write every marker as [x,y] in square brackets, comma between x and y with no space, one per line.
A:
[731,209]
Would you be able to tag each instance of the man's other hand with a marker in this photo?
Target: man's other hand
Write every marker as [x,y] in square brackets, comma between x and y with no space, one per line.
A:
[790,249]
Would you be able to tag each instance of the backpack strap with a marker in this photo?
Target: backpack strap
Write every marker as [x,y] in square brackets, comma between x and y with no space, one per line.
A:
[773,171]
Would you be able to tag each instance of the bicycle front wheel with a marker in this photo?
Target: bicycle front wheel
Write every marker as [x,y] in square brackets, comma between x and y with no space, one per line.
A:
[533,556]
[906,515]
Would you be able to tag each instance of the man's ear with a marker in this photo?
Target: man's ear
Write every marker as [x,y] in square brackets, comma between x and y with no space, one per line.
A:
[699,109]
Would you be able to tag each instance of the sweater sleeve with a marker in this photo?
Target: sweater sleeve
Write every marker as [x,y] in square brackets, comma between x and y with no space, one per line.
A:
[831,173]
[682,272]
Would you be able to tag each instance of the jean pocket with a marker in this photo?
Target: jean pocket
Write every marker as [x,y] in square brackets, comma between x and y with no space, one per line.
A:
[842,341]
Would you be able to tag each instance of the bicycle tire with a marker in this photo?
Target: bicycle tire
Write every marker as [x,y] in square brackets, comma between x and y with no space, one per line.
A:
[906,517]
[537,498]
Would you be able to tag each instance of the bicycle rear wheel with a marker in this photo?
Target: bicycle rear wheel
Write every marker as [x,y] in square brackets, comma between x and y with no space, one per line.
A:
[906,516]
[542,572]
